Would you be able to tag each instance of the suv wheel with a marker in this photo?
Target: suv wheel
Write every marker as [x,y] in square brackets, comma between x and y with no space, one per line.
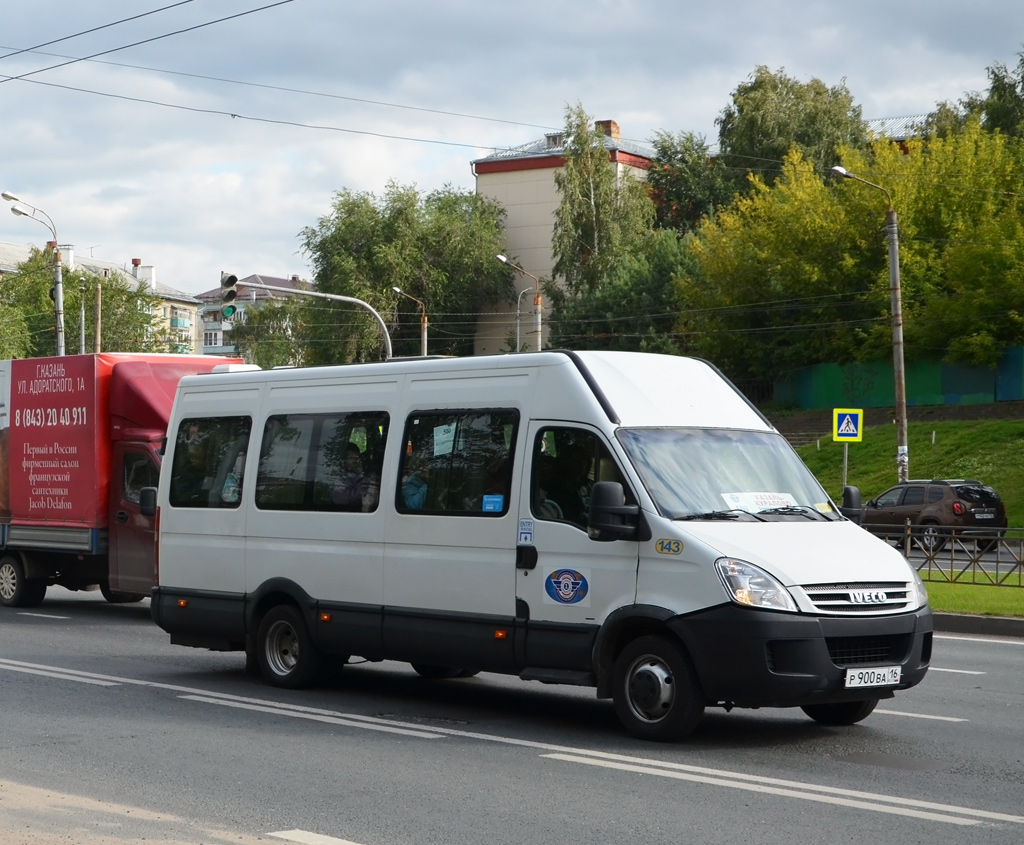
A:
[931,537]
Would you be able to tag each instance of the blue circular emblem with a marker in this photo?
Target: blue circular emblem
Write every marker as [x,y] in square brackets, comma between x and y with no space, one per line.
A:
[567,586]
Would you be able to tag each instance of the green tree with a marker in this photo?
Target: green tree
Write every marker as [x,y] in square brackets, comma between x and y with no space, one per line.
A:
[266,334]
[687,182]
[772,113]
[129,318]
[635,308]
[439,248]
[1000,108]
[604,214]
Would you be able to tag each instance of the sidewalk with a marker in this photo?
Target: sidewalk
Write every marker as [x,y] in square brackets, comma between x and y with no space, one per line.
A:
[999,626]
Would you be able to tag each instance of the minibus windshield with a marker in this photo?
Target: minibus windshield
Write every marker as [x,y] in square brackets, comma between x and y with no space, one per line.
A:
[724,474]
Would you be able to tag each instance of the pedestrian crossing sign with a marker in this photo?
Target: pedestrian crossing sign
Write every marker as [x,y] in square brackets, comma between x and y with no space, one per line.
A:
[848,424]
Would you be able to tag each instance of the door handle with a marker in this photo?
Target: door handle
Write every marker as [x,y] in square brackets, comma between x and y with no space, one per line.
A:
[526,557]
[121,516]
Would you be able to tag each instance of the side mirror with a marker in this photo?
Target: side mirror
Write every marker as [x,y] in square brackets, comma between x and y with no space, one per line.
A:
[851,507]
[147,501]
[610,517]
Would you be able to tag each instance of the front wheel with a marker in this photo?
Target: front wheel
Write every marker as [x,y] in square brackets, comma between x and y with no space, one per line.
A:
[286,655]
[15,589]
[931,538]
[846,713]
[115,597]
[656,692]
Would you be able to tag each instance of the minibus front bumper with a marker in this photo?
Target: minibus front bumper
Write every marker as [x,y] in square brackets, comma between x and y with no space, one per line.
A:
[754,658]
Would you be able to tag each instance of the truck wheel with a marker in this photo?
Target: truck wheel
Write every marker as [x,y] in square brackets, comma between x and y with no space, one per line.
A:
[284,649]
[656,692]
[846,713]
[15,589]
[119,598]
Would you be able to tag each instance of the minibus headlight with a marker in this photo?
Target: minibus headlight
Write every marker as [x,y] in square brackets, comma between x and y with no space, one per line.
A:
[920,592]
[751,586]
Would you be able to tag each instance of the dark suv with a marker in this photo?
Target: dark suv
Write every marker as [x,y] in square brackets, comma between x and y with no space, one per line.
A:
[938,509]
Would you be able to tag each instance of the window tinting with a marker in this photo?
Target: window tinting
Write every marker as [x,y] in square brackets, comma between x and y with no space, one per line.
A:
[458,462]
[209,456]
[913,496]
[322,462]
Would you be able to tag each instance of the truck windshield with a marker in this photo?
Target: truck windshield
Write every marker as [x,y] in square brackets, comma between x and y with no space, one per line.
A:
[724,474]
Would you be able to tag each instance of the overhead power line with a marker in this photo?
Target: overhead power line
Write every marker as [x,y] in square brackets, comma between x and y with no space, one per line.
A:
[146,41]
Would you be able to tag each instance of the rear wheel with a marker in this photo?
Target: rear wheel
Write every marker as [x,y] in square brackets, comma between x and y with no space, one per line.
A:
[285,652]
[15,589]
[846,713]
[656,692]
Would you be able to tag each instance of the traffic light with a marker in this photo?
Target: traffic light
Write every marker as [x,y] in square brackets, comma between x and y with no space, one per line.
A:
[228,295]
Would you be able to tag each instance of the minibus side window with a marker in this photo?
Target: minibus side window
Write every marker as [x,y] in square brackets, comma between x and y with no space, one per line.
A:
[209,457]
[322,462]
[566,463]
[457,463]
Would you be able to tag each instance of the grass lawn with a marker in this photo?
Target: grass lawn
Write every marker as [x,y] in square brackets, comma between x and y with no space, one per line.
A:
[976,599]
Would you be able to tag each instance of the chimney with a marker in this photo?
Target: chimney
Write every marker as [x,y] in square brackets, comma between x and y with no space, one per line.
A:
[608,127]
[295,278]
[67,255]
[136,263]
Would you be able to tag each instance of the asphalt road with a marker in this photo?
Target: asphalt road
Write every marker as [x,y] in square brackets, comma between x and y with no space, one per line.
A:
[112,735]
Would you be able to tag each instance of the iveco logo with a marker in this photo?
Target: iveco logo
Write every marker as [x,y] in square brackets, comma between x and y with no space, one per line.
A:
[868,597]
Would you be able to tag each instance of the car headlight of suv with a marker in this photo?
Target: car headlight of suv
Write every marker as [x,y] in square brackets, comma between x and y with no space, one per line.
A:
[751,586]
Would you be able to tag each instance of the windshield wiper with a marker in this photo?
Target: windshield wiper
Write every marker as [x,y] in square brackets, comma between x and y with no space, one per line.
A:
[801,510]
[735,513]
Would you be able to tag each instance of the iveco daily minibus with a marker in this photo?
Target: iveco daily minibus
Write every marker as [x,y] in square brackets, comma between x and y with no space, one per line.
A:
[619,520]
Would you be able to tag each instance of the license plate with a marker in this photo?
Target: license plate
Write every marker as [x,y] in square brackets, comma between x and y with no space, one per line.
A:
[984,515]
[879,676]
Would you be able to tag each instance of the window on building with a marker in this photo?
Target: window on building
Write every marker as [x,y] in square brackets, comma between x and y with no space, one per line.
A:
[209,460]
[322,462]
[458,462]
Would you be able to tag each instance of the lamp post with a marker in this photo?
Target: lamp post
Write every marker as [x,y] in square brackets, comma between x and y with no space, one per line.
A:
[537,303]
[899,373]
[24,209]
[423,318]
[519,301]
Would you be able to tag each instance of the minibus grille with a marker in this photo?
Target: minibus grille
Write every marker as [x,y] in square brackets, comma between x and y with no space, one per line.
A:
[865,651]
[860,599]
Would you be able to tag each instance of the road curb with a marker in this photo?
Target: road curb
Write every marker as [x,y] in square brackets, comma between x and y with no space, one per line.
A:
[958,623]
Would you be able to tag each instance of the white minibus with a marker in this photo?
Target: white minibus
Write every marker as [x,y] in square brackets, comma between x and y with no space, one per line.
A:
[618,520]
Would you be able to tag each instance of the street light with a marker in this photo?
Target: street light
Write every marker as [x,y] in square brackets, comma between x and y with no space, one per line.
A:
[899,373]
[537,303]
[423,318]
[24,209]
[519,301]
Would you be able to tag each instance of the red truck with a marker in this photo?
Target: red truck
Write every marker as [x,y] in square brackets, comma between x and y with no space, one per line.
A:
[80,436]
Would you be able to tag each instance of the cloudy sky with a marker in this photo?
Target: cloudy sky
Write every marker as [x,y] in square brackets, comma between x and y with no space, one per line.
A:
[204,135]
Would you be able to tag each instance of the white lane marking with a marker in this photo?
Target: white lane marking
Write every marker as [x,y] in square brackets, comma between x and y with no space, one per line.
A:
[304,837]
[60,674]
[41,615]
[1007,641]
[532,744]
[955,671]
[921,716]
[314,717]
[770,790]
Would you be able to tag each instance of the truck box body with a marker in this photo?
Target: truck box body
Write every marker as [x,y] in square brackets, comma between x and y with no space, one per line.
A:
[621,520]
[63,422]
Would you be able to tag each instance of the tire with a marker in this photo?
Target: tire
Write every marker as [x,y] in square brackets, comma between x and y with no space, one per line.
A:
[437,673]
[655,690]
[119,598]
[15,589]
[846,713]
[986,544]
[286,655]
[930,537]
